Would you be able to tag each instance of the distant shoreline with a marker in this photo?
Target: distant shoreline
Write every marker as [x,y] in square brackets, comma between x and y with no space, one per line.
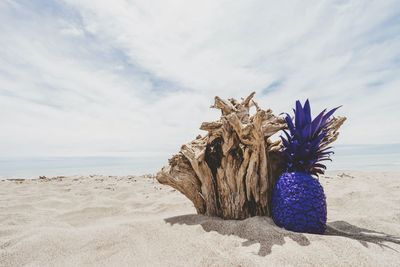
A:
[347,157]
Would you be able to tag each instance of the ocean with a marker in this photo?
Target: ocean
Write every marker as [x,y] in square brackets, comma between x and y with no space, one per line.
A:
[366,157]
[346,157]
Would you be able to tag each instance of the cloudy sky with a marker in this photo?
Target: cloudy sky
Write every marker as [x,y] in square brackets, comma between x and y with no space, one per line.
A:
[122,77]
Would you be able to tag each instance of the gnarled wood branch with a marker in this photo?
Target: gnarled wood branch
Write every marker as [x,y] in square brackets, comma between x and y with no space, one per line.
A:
[230,172]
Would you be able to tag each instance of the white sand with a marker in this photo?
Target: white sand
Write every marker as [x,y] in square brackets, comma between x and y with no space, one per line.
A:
[134,221]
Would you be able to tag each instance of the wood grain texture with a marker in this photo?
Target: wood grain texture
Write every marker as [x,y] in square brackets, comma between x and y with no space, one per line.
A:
[230,172]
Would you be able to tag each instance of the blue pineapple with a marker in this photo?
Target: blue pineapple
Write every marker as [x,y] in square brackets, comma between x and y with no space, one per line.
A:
[298,199]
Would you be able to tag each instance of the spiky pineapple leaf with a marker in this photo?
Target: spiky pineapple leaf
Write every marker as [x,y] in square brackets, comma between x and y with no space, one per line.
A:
[303,142]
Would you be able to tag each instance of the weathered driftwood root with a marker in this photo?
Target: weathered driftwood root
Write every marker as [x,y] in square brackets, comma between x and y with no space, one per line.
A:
[230,172]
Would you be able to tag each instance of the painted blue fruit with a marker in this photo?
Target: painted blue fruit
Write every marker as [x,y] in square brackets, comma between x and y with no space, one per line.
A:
[298,199]
[298,203]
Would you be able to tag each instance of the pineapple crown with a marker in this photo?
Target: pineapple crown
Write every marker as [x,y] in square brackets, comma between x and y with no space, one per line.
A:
[304,143]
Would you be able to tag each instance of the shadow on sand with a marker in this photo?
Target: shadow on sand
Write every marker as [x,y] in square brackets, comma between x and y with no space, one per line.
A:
[262,230]
[363,235]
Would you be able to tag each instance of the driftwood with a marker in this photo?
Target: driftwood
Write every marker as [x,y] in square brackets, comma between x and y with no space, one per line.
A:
[230,172]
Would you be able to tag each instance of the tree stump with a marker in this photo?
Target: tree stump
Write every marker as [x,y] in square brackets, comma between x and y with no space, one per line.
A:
[230,172]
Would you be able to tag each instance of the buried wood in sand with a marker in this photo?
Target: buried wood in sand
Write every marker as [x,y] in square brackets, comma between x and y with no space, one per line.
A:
[231,171]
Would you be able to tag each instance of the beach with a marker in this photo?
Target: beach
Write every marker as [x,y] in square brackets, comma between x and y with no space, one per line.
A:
[135,221]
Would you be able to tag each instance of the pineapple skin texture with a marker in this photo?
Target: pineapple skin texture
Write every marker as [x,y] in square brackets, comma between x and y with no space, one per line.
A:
[299,203]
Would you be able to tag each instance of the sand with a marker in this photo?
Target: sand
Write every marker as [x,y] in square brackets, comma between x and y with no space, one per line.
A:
[134,221]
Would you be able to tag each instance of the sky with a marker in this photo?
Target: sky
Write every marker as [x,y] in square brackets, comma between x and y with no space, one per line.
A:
[119,78]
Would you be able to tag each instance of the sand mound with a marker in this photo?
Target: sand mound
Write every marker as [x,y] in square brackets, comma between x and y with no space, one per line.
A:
[134,221]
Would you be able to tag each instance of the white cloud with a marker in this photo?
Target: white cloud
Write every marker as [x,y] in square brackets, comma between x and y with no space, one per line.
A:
[137,77]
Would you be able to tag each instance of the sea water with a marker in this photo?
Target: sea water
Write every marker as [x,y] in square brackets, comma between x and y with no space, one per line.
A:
[366,157]
[346,157]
